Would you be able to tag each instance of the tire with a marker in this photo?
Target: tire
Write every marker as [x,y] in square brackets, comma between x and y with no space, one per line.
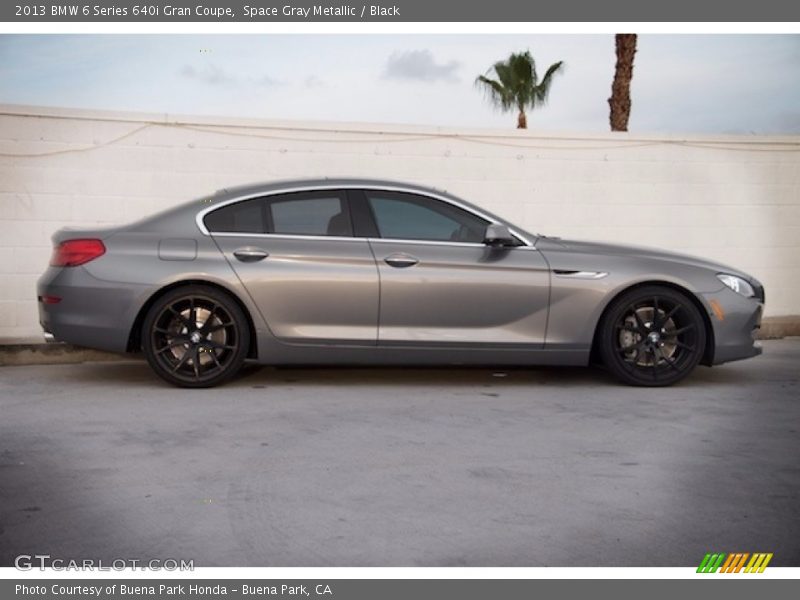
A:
[652,336]
[197,351]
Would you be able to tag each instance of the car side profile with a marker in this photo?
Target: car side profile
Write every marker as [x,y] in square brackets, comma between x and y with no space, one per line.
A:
[374,272]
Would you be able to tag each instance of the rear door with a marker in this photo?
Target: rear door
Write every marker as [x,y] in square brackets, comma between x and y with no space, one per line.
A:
[441,285]
[296,255]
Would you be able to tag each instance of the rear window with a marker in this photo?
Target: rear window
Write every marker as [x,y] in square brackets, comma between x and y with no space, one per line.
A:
[242,217]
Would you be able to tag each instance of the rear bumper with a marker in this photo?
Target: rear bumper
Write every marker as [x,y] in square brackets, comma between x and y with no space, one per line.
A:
[91,312]
[735,332]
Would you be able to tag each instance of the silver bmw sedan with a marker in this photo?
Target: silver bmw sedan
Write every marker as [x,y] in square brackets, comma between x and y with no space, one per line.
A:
[373,272]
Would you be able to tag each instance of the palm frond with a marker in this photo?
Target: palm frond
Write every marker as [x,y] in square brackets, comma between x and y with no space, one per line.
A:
[516,83]
[543,89]
[496,92]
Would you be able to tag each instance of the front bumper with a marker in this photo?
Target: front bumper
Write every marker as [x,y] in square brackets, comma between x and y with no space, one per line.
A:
[736,323]
[91,312]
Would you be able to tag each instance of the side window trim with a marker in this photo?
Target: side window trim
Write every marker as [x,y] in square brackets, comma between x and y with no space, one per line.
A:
[266,215]
[364,225]
[200,216]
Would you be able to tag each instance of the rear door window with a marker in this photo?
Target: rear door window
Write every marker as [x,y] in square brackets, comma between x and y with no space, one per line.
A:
[312,213]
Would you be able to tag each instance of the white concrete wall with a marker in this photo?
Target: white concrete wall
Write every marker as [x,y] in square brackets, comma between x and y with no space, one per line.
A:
[733,199]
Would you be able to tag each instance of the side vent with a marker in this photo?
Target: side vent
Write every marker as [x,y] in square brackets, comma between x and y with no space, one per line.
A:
[579,274]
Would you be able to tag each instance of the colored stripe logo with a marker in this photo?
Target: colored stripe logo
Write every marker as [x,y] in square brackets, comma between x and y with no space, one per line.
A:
[734,563]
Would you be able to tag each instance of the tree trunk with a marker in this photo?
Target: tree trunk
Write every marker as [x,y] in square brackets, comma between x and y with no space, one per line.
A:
[620,101]
[522,120]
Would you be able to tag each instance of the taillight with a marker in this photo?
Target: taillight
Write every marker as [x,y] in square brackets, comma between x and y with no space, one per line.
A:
[72,253]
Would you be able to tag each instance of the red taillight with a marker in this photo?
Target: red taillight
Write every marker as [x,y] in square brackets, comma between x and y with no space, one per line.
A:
[72,253]
[49,299]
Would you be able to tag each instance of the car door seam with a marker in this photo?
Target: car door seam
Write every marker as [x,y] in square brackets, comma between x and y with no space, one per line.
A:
[380,291]
[244,287]
[549,296]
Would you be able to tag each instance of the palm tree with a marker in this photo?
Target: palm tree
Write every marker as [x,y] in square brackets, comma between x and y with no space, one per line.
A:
[620,101]
[517,84]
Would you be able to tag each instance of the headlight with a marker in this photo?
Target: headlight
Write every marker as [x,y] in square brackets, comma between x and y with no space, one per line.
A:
[737,284]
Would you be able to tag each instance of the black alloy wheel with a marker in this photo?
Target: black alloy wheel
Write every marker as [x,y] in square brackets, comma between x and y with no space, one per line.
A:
[652,336]
[195,336]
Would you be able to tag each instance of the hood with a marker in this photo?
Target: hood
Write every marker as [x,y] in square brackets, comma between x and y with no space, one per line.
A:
[546,244]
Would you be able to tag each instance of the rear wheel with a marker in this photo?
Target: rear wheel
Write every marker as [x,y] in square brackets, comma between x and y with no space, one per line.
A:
[195,336]
[652,336]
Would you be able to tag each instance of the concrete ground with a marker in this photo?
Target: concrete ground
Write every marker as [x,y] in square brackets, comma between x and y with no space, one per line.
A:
[315,467]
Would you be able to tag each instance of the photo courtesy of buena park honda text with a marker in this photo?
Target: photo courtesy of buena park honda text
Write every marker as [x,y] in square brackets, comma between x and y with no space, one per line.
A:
[401,300]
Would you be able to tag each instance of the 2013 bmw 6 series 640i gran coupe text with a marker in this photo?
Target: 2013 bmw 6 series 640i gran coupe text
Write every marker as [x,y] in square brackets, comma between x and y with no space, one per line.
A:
[371,272]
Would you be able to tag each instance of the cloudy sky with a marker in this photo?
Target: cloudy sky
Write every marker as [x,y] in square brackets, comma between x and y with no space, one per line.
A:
[682,83]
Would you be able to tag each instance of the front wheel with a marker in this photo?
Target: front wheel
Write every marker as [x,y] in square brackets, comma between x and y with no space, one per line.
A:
[652,336]
[195,336]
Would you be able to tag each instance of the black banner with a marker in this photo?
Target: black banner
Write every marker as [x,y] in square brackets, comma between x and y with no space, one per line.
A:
[399,11]
[734,588]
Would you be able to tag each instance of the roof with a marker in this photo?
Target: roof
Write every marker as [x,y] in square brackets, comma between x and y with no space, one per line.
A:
[350,182]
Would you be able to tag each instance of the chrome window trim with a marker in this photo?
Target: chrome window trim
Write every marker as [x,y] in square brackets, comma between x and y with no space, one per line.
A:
[339,238]
[291,236]
[316,188]
[425,242]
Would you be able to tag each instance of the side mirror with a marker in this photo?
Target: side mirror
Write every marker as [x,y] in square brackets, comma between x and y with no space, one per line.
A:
[498,235]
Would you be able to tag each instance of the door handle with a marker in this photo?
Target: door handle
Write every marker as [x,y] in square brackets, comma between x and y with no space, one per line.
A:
[400,261]
[250,254]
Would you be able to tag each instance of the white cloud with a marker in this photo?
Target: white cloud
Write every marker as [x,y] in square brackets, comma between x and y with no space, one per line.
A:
[210,74]
[420,65]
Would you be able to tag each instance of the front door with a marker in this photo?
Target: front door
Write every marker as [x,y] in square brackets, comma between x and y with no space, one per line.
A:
[441,285]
